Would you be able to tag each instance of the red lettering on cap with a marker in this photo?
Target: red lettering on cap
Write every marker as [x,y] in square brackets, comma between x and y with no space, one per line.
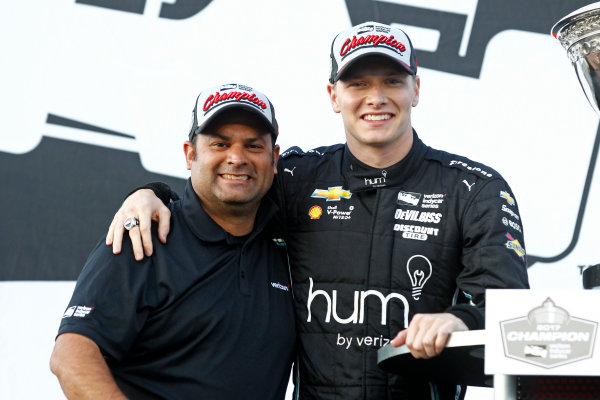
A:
[345,47]
[208,102]
[212,100]
[372,40]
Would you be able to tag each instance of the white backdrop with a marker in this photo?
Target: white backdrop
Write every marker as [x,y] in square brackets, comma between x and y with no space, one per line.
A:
[525,116]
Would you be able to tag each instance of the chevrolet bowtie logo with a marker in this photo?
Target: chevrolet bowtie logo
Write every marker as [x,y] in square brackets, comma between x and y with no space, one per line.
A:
[332,193]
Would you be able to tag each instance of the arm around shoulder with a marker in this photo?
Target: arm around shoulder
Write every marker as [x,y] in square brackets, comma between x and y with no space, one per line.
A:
[147,204]
[82,370]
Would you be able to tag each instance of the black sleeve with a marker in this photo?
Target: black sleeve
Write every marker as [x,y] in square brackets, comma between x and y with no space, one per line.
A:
[493,249]
[472,316]
[111,301]
[276,193]
[161,190]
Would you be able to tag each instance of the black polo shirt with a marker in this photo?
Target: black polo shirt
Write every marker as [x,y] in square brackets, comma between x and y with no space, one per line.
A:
[208,316]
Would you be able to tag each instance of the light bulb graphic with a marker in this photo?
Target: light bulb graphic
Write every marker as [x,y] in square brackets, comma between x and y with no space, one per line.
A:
[419,271]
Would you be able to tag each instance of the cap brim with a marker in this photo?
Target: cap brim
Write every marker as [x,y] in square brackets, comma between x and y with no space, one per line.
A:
[373,53]
[270,126]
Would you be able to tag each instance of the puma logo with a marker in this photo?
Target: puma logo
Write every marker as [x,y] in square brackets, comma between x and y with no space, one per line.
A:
[467,183]
[291,171]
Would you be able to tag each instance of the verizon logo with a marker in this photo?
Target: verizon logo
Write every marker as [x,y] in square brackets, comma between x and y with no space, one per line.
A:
[278,285]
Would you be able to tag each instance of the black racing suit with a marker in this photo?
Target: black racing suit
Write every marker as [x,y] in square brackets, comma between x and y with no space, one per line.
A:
[371,247]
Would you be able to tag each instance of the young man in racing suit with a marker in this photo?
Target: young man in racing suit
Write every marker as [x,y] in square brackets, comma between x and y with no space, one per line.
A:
[387,237]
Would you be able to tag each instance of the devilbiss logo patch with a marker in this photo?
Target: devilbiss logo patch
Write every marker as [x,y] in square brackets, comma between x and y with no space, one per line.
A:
[548,337]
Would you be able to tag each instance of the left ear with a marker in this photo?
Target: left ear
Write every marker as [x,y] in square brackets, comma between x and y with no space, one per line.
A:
[190,153]
[333,97]
[417,82]
[275,157]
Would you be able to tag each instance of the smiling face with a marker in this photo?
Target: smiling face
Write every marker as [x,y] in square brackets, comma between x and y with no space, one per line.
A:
[232,164]
[375,97]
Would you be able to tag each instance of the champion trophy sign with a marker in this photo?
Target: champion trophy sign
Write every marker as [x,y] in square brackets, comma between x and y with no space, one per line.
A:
[579,34]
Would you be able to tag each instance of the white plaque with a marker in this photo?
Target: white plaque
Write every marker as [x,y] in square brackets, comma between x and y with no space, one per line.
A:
[542,332]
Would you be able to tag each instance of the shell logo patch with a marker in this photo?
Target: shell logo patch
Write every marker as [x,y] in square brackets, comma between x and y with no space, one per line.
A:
[315,212]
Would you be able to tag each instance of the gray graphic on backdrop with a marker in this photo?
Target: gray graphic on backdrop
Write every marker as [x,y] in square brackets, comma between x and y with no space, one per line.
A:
[548,337]
[180,9]
[58,200]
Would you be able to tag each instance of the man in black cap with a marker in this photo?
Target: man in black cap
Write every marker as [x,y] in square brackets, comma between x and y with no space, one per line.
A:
[209,315]
[388,238]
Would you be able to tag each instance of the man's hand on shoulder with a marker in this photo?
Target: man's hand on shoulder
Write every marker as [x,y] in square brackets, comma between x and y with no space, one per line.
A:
[146,207]
[427,334]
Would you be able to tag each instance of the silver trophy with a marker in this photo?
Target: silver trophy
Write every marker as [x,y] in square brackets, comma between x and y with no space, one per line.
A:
[579,34]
